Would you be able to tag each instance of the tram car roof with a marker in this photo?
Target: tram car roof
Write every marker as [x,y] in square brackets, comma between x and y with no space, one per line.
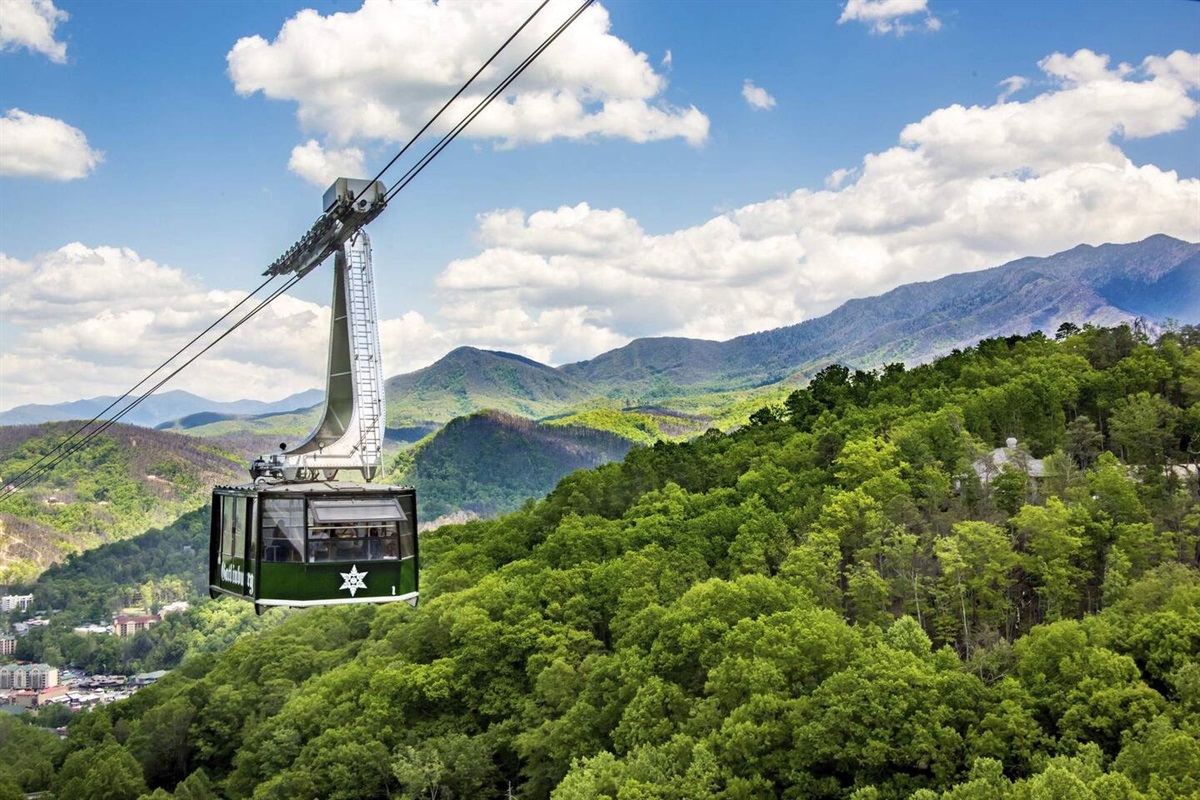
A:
[309,487]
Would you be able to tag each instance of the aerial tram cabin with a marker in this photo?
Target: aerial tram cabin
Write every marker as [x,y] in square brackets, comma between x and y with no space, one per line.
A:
[296,536]
[314,543]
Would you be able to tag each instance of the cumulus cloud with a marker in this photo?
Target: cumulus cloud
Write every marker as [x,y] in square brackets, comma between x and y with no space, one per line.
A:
[104,316]
[83,321]
[33,146]
[835,179]
[30,24]
[889,16]
[963,188]
[757,97]
[387,67]
[321,167]
[1011,86]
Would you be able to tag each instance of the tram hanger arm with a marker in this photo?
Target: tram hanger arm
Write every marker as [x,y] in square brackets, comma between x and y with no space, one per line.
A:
[350,206]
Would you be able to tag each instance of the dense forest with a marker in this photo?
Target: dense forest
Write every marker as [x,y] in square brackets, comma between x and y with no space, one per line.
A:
[123,482]
[498,461]
[851,597]
[147,572]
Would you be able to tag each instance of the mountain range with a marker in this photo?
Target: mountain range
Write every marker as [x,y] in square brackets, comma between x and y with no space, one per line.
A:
[587,413]
[1158,278]
[157,409]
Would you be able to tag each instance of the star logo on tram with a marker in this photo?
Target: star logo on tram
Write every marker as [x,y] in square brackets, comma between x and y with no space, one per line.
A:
[353,580]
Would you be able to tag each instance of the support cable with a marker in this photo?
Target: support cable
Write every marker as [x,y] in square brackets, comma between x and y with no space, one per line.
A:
[13,487]
[446,105]
[451,135]
[40,467]
[65,442]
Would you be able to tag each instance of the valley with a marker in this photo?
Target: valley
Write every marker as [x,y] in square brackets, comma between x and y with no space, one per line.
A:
[537,427]
[754,401]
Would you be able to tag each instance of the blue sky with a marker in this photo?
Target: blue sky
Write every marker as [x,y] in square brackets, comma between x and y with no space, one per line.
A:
[729,219]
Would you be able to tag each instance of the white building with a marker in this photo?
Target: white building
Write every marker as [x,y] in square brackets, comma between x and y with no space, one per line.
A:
[173,608]
[28,676]
[15,602]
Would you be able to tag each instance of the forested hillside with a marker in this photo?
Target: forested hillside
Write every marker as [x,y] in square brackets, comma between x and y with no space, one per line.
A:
[467,380]
[847,598]
[123,482]
[146,572]
[491,462]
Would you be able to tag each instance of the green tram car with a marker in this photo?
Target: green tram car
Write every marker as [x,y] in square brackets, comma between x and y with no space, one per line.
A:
[313,543]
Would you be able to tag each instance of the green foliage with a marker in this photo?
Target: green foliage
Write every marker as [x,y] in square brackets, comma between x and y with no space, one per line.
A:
[27,755]
[125,481]
[160,566]
[827,603]
[104,772]
[491,462]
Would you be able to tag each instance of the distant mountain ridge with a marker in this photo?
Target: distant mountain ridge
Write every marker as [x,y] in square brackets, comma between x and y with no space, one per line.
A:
[1157,278]
[157,409]
[490,462]
[468,379]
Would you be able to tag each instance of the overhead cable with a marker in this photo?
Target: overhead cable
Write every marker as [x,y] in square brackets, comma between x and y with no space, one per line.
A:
[19,478]
[69,446]
[450,136]
[31,475]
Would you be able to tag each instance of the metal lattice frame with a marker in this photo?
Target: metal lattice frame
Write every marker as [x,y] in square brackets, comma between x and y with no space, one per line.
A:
[350,432]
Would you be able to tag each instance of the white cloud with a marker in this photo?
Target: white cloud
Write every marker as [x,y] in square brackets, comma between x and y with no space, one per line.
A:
[321,167]
[30,24]
[83,321]
[1074,124]
[386,68]
[835,179]
[667,61]
[94,320]
[32,146]
[757,97]
[963,188]
[1011,86]
[888,16]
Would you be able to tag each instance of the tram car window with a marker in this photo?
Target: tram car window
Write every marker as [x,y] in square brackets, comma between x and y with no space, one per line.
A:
[283,529]
[316,543]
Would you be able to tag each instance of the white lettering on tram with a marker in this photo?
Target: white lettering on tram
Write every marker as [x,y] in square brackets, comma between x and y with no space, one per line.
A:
[230,573]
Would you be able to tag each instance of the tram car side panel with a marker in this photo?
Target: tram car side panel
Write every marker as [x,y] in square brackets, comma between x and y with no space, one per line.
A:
[319,546]
[234,542]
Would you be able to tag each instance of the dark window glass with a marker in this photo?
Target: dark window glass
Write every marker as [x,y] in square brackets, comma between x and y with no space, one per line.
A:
[283,529]
[356,510]
[239,527]
[407,549]
[232,526]
[358,529]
